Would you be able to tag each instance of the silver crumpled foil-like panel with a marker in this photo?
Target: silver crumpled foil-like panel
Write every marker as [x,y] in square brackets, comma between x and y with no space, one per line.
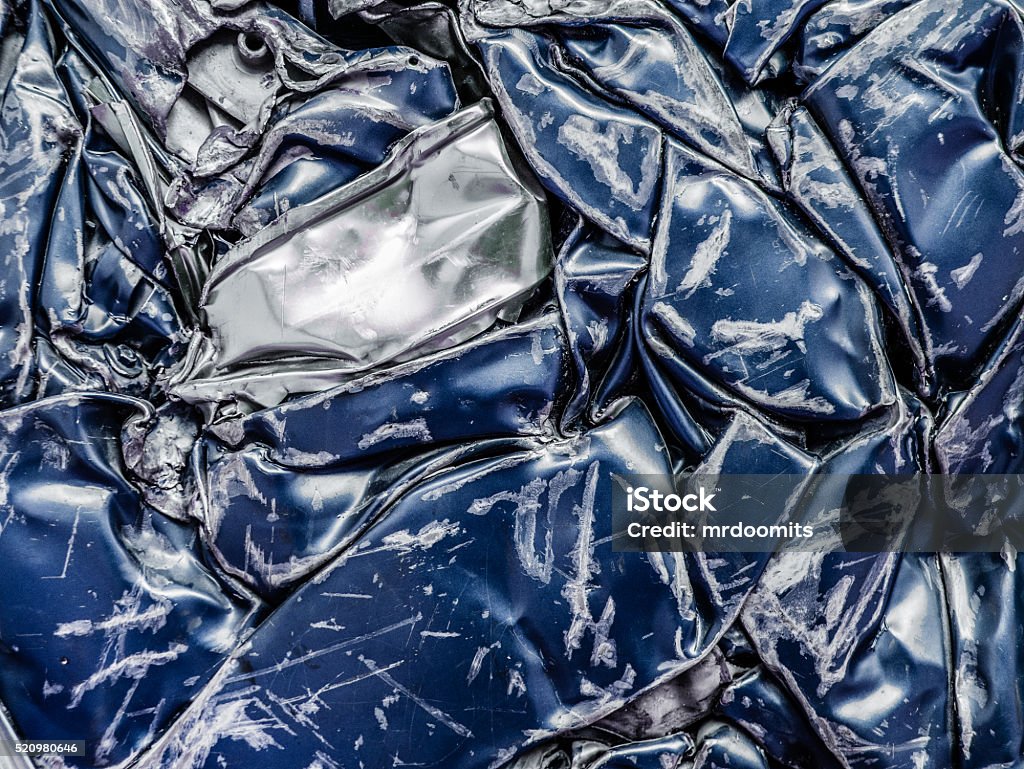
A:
[328,330]
[419,254]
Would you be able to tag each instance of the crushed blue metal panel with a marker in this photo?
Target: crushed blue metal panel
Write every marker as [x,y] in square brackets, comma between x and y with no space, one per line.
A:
[327,328]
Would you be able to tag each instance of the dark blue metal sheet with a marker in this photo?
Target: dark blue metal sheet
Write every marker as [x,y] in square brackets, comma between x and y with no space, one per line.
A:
[926,77]
[330,464]
[773,238]
[599,157]
[112,622]
[741,295]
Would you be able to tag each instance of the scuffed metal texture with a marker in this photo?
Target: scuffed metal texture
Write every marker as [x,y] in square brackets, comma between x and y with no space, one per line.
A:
[326,329]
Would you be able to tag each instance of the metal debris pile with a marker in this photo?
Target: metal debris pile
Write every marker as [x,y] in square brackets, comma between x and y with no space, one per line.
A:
[326,330]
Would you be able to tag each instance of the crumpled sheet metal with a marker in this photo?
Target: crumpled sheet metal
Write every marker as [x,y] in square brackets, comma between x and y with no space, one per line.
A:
[323,342]
[118,591]
[757,338]
[333,461]
[86,301]
[420,254]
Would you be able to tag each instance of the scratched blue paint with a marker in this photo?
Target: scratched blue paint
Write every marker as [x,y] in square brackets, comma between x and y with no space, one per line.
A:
[645,237]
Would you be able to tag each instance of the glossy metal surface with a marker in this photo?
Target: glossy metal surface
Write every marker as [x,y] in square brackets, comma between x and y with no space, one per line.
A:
[422,253]
[118,623]
[323,344]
